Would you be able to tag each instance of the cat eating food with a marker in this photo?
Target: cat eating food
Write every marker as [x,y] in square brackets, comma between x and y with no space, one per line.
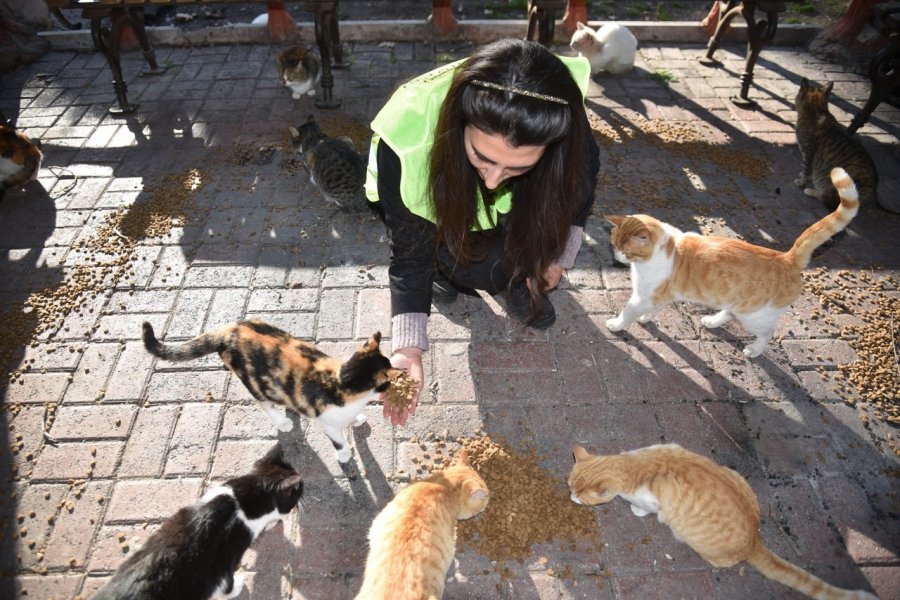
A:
[756,285]
[279,369]
[20,159]
[194,553]
[298,69]
[412,541]
[610,48]
[825,144]
[334,166]
[709,507]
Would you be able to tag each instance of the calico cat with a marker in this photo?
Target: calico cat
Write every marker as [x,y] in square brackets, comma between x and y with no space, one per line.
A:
[610,48]
[299,71]
[412,541]
[825,144]
[709,507]
[279,369]
[334,166]
[754,284]
[20,159]
[194,554]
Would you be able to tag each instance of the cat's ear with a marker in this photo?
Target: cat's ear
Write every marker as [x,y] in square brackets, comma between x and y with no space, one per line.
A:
[580,453]
[294,132]
[292,484]
[827,89]
[463,457]
[615,219]
[579,25]
[373,342]
[804,83]
[310,119]
[478,494]
[274,456]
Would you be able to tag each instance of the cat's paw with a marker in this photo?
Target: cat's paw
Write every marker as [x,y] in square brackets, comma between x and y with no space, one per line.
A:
[754,350]
[616,324]
[645,318]
[295,96]
[811,192]
[311,92]
[236,588]
[343,455]
[285,425]
[359,420]
[800,182]
[640,512]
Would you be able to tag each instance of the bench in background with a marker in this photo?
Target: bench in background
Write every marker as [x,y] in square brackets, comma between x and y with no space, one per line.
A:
[129,14]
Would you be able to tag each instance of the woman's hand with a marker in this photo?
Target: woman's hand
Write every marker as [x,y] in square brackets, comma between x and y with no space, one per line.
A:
[552,275]
[410,360]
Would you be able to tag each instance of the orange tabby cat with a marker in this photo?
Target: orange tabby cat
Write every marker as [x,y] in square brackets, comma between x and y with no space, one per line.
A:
[709,507]
[754,284]
[413,539]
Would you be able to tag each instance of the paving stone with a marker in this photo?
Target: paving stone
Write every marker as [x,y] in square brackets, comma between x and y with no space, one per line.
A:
[92,422]
[75,527]
[192,441]
[142,500]
[146,446]
[77,460]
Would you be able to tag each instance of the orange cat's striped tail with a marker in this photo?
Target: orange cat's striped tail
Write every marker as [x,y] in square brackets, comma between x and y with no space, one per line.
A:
[823,230]
[780,570]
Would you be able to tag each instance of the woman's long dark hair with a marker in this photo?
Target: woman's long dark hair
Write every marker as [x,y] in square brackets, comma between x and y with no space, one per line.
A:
[545,198]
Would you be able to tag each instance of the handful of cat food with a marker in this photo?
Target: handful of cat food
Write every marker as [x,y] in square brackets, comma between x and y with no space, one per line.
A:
[402,390]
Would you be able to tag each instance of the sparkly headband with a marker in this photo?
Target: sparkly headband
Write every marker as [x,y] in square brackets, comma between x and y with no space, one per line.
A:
[521,92]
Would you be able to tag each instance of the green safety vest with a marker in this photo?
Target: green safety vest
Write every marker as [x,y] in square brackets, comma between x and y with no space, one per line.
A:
[407,124]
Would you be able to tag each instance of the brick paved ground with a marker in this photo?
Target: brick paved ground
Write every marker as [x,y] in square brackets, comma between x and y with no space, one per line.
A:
[136,439]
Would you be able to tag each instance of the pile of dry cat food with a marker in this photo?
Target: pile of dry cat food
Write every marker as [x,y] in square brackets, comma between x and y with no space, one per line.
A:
[104,261]
[401,391]
[666,183]
[875,374]
[527,506]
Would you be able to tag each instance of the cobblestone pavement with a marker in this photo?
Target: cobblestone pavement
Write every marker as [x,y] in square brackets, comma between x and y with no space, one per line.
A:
[215,220]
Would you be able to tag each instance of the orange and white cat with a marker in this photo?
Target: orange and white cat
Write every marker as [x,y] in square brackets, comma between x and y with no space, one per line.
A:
[709,507]
[756,285]
[412,541]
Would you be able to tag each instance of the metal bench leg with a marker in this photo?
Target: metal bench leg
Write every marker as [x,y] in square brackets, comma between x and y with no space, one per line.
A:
[731,10]
[326,39]
[884,72]
[758,35]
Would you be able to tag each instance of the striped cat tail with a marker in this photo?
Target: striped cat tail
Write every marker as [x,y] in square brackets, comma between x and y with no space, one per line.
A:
[780,570]
[825,229]
[213,341]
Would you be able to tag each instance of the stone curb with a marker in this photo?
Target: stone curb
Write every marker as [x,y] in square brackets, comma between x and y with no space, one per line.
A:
[477,31]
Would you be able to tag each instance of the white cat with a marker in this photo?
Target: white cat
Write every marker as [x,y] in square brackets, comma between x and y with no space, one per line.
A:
[611,48]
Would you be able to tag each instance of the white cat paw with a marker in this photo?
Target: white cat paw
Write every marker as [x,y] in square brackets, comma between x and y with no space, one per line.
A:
[811,192]
[645,318]
[311,92]
[285,425]
[616,324]
[295,96]
[237,587]
[710,322]
[752,351]
[640,512]
[343,455]
[800,182]
[359,420]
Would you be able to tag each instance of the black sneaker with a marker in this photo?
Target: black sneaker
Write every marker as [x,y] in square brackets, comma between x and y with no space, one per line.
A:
[442,291]
[519,306]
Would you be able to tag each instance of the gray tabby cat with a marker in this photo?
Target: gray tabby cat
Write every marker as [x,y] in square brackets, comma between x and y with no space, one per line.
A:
[825,144]
[334,166]
[299,71]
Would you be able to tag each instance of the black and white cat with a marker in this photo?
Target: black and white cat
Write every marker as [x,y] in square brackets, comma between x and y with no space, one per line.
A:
[194,554]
